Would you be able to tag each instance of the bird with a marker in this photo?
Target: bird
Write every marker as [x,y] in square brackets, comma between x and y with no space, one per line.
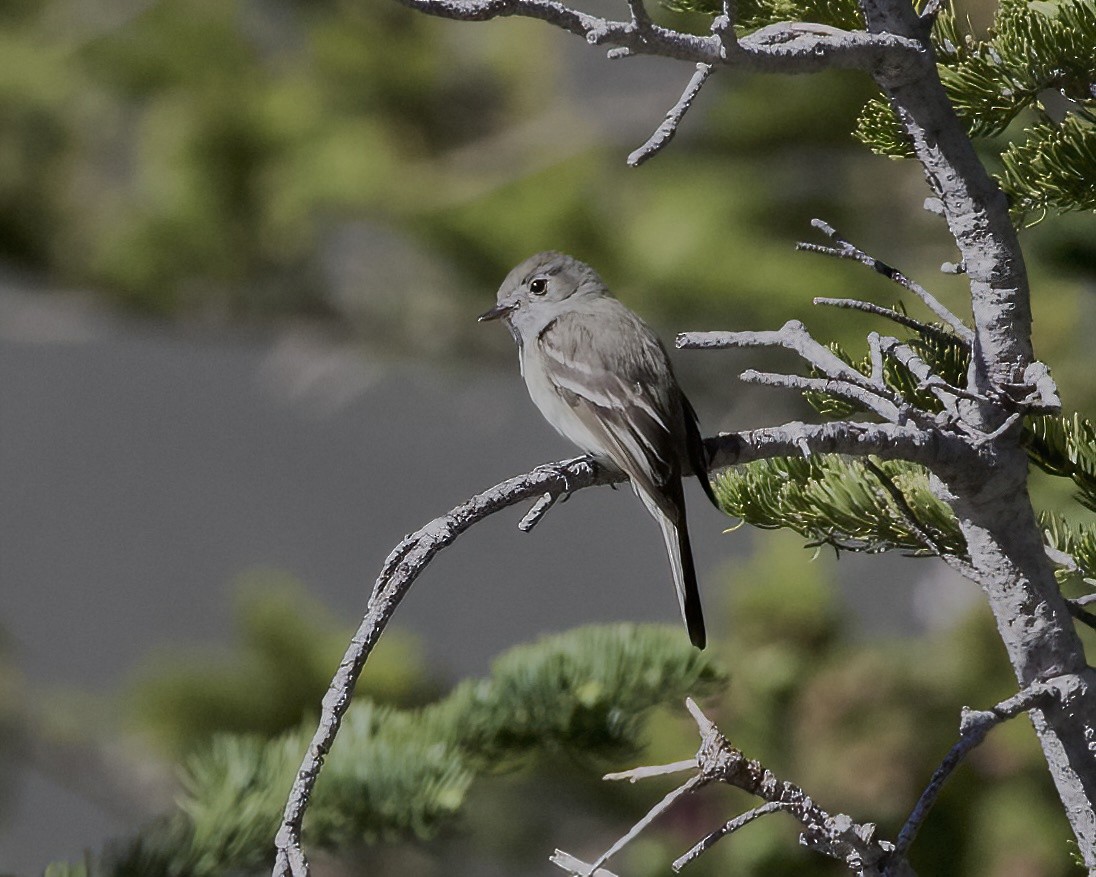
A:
[601,376]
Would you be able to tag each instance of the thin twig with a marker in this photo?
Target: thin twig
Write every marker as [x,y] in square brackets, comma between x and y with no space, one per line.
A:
[727,828]
[869,398]
[846,250]
[641,18]
[974,726]
[894,316]
[644,772]
[930,539]
[575,865]
[1081,614]
[837,836]
[539,510]
[666,131]
[691,784]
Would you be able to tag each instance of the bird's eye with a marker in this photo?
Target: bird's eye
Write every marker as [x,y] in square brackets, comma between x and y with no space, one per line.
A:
[538,285]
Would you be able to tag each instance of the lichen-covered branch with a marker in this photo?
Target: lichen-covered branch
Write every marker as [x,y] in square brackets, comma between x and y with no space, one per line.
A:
[888,441]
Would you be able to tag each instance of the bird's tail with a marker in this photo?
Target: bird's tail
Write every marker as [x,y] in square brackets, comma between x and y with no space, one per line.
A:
[680,552]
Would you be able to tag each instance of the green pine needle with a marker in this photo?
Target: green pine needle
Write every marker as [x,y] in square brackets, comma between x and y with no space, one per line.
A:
[841,502]
[1075,539]
[1065,446]
[1033,47]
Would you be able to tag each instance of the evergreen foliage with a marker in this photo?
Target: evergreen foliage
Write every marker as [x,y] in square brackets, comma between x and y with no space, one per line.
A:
[842,503]
[1065,446]
[405,773]
[1033,46]
[852,506]
[1075,539]
[752,14]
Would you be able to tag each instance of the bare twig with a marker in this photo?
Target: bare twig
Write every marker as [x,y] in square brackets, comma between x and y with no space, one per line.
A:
[640,17]
[575,865]
[690,785]
[836,836]
[973,727]
[870,398]
[894,316]
[793,336]
[657,770]
[1078,611]
[666,131]
[717,761]
[727,828]
[539,510]
[846,250]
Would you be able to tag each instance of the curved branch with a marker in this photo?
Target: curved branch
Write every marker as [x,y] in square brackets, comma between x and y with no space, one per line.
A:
[545,485]
[400,570]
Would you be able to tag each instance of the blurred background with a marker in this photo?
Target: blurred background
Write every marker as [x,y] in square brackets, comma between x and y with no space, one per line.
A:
[242,247]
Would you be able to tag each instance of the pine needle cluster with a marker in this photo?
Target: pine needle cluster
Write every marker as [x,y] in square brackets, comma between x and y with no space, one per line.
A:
[1035,67]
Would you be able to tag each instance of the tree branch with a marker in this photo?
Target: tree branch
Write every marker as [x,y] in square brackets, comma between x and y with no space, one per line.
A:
[888,441]
[785,48]
[846,250]
[666,131]
[973,727]
[400,570]
[871,398]
[836,836]
[894,316]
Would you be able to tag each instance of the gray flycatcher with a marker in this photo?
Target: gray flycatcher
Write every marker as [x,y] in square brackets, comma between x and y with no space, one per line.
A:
[602,378]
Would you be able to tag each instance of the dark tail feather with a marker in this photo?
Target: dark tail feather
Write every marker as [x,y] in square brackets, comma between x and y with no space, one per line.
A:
[694,447]
[676,537]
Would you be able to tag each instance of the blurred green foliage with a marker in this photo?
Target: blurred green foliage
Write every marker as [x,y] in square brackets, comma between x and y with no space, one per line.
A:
[404,773]
[241,160]
[287,650]
[504,767]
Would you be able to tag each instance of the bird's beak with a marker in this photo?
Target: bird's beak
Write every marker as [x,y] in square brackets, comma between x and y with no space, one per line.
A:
[499,310]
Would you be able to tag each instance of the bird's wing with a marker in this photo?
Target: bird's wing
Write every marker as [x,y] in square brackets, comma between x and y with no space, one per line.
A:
[617,380]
